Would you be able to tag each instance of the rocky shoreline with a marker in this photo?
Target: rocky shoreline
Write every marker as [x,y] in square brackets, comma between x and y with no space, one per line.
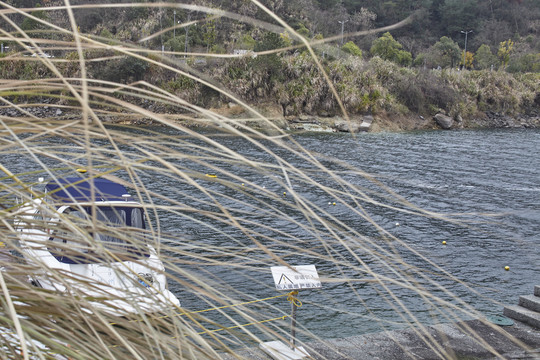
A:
[354,124]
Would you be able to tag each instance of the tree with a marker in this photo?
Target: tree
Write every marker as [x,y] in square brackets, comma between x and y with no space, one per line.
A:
[459,15]
[363,19]
[505,48]
[286,38]
[269,64]
[484,58]
[328,4]
[176,44]
[385,46]
[388,48]
[31,24]
[248,42]
[352,49]
[469,60]
[445,53]
[302,30]
[526,63]
[209,32]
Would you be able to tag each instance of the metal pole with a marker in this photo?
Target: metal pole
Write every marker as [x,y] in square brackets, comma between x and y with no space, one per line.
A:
[465,52]
[342,29]
[293,324]
[174,24]
[187,27]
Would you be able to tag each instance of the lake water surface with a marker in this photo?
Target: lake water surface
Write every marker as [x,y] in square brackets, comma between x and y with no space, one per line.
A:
[489,179]
[486,183]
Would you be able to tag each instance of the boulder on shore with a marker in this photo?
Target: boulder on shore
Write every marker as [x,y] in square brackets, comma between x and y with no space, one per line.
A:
[353,125]
[445,122]
[342,125]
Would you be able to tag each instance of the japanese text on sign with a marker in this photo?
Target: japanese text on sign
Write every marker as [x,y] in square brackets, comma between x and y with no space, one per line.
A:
[296,277]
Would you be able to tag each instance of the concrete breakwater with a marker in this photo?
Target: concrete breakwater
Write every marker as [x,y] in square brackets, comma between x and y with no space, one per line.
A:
[490,338]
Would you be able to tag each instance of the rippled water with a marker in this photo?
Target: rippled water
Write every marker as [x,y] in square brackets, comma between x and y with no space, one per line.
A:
[491,179]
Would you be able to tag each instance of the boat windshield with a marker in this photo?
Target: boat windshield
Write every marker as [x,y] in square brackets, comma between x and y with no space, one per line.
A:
[118,232]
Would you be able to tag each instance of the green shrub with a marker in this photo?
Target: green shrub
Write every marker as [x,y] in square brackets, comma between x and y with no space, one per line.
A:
[445,53]
[351,48]
[389,49]
[247,42]
[525,63]
[31,24]
[176,44]
[218,49]
[424,90]
[125,70]
[484,58]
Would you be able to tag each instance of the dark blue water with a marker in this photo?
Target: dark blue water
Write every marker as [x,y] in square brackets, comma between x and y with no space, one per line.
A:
[378,250]
[476,190]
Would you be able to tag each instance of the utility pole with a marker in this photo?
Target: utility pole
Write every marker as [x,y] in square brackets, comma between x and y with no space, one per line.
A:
[465,52]
[342,29]
[174,24]
[187,28]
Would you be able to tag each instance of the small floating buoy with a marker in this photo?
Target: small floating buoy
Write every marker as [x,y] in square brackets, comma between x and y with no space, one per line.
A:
[507,268]
[82,171]
[212,175]
[242,184]
[397,224]
[334,203]
[284,193]
[444,242]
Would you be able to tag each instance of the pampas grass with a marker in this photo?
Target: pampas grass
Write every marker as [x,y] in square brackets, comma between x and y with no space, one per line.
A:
[53,123]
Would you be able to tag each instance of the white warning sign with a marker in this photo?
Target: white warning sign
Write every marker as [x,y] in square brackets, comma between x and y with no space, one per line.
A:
[296,277]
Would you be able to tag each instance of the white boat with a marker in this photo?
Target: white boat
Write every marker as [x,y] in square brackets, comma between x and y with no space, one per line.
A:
[77,234]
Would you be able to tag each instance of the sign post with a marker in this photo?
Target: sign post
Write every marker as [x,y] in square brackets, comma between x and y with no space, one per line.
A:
[293,323]
[291,279]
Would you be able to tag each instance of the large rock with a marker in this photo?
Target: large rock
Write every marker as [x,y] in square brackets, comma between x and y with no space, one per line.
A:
[351,126]
[366,123]
[445,122]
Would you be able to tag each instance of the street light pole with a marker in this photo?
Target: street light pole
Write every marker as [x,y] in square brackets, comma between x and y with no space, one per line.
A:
[465,52]
[342,29]
[187,27]
[174,24]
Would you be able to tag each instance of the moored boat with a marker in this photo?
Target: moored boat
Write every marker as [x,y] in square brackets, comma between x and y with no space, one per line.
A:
[90,239]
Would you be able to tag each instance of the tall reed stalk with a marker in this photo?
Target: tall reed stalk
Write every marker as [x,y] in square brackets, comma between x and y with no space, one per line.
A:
[52,123]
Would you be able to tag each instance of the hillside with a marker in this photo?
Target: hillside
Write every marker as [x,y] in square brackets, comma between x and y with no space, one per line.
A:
[411,71]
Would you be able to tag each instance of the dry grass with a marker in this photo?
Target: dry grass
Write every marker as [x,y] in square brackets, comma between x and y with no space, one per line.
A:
[233,206]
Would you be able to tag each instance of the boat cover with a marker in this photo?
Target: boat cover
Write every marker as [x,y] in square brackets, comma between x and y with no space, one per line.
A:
[72,189]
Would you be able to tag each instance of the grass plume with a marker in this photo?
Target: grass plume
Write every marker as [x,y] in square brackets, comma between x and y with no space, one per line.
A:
[253,214]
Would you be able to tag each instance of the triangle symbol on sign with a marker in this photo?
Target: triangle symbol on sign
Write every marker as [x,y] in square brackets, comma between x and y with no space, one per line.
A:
[285,279]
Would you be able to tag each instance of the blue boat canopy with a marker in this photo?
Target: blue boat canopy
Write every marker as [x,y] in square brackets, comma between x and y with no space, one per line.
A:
[78,189]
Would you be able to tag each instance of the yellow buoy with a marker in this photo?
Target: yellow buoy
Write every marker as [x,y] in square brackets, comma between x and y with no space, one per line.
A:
[444,242]
[333,203]
[211,175]
[507,268]
[284,193]
[82,171]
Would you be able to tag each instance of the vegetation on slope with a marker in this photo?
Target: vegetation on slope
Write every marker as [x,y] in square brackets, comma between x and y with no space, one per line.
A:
[411,69]
[123,62]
